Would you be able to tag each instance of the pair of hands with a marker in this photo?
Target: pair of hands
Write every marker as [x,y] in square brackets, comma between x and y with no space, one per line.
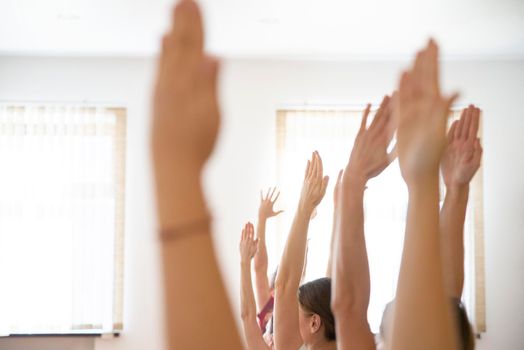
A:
[422,114]
[419,113]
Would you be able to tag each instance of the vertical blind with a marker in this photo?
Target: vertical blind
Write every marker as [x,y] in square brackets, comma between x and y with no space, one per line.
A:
[61,219]
[331,132]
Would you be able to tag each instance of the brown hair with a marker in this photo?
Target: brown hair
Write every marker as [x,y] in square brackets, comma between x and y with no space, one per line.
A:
[315,297]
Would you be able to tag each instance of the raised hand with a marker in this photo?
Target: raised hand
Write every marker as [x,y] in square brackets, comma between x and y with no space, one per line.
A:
[267,202]
[248,243]
[421,113]
[461,158]
[186,114]
[370,156]
[315,184]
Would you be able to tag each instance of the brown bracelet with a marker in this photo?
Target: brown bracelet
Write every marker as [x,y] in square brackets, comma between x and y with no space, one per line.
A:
[201,225]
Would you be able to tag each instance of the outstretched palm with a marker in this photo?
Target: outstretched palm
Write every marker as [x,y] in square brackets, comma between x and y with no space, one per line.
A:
[267,202]
[461,158]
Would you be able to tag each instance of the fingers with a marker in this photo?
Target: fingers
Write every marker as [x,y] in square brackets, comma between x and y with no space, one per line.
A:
[267,194]
[474,125]
[453,131]
[405,93]
[320,166]
[364,121]
[314,165]
[431,72]
[323,189]
[306,175]
[187,33]
[460,124]
[272,194]
[467,123]
[382,116]
[274,200]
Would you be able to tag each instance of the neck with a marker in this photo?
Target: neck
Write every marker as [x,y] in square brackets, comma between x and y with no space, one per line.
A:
[323,345]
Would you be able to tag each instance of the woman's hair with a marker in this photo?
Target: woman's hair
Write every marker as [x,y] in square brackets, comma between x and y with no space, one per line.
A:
[465,332]
[315,297]
[467,339]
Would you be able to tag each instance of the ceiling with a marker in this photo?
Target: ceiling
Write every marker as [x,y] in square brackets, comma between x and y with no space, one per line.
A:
[318,29]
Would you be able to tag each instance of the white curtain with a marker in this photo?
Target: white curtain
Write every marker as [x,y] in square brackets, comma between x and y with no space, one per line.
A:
[61,193]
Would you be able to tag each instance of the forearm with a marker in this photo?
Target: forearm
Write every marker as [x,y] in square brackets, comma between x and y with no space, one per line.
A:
[247,299]
[180,202]
[293,257]
[452,217]
[287,330]
[421,307]
[252,332]
[190,325]
[260,264]
[329,269]
[352,285]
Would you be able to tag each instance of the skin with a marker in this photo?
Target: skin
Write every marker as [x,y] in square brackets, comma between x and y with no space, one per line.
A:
[184,128]
[336,214]
[248,248]
[351,283]
[460,162]
[422,317]
[265,212]
[287,322]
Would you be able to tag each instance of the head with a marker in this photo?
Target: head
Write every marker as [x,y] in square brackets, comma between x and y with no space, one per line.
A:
[316,320]
[465,332]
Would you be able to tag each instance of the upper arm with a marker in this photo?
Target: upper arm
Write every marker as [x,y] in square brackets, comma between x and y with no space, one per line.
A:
[287,331]
[353,332]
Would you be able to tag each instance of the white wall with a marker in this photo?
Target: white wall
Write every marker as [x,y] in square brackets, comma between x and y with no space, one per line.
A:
[245,156]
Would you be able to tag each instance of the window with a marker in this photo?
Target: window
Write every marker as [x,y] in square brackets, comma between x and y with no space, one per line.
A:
[332,132]
[61,219]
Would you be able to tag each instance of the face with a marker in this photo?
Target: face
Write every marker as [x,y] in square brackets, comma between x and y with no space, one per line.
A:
[309,325]
[304,321]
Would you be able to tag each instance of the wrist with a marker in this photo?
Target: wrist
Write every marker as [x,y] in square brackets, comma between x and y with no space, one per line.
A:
[457,192]
[424,184]
[354,177]
[262,218]
[179,195]
[457,188]
[305,209]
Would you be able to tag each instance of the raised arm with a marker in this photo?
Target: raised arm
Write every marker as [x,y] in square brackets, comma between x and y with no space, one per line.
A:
[422,316]
[184,128]
[287,332]
[460,162]
[336,195]
[265,211]
[351,285]
[248,310]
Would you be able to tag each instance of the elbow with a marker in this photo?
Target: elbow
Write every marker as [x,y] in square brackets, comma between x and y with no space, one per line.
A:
[343,304]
